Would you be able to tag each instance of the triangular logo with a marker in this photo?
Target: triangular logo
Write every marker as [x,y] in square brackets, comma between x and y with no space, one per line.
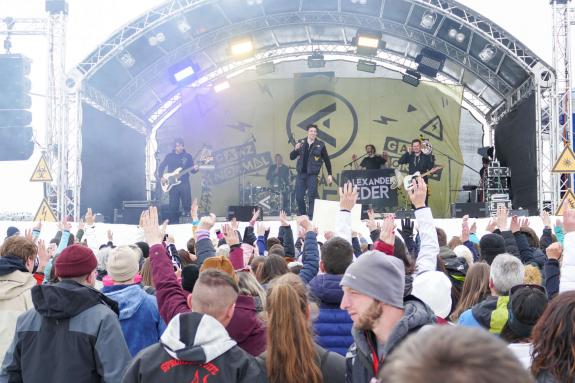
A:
[318,116]
[411,108]
[566,162]
[41,172]
[327,123]
[45,213]
[434,128]
[568,202]
[205,104]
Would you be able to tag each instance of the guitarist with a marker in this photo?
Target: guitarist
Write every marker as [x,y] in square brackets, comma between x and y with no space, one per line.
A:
[179,158]
[418,161]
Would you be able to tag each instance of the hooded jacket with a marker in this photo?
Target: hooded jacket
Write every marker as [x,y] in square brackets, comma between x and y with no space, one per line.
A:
[72,335]
[194,348]
[359,359]
[139,316]
[15,297]
[491,314]
[333,325]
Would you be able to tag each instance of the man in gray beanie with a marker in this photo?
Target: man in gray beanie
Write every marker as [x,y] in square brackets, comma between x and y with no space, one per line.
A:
[373,296]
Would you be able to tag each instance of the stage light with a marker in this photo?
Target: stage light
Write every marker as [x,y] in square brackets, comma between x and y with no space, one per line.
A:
[367,42]
[366,66]
[241,47]
[428,20]
[254,2]
[156,39]
[487,53]
[315,60]
[184,73]
[183,25]
[360,2]
[265,68]
[430,62]
[126,59]
[411,77]
[220,87]
[456,35]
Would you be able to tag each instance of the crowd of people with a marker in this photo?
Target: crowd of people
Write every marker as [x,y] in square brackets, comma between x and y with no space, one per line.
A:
[408,305]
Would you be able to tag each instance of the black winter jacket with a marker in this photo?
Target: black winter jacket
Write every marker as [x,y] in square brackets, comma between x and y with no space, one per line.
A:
[72,335]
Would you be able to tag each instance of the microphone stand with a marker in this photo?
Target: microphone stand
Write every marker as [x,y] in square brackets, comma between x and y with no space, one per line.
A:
[449,159]
[358,158]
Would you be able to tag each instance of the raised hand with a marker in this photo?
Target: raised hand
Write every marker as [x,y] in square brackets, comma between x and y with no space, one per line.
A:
[407,226]
[304,222]
[546,219]
[387,233]
[81,224]
[110,235]
[492,225]
[347,196]
[524,222]
[554,251]
[255,216]
[283,218]
[370,223]
[43,255]
[501,218]
[234,223]
[260,229]
[152,232]
[194,210]
[465,229]
[473,228]
[230,235]
[418,192]
[89,217]
[515,226]
[328,235]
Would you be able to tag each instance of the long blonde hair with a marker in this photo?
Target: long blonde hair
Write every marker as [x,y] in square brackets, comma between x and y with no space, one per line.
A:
[475,288]
[291,351]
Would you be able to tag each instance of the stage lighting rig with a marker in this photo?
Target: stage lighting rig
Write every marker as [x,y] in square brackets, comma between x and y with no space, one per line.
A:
[316,60]
[487,53]
[428,20]
[366,66]
[242,47]
[411,77]
[367,42]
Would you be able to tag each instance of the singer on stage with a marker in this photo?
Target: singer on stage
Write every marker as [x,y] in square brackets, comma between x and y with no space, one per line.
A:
[310,153]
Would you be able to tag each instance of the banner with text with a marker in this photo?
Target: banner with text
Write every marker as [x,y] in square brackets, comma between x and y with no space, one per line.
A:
[377,188]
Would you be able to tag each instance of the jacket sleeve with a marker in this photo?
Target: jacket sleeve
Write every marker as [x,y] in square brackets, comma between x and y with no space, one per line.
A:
[567,279]
[551,269]
[249,236]
[559,234]
[237,257]
[293,154]
[252,372]
[510,243]
[111,350]
[525,251]
[11,370]
[429,248]
[286,238]
[63,241]
[326,159]
[163,165]
[374,235]
[546,239]
[310,258]
[343,225]
[261,243]
[356,246]
[404,159]
[204,246]
[383,247]
[169,293]
[473,250]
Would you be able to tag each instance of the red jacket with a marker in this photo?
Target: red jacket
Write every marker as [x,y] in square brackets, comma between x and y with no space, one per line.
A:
[245,327]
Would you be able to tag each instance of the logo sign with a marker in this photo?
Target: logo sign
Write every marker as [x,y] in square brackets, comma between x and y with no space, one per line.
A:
[331,112]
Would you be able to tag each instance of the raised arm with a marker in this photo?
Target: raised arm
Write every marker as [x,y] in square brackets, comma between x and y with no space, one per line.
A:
[429,248]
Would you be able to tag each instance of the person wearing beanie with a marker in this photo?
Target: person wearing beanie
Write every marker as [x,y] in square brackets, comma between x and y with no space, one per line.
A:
[490,246]
[71,324]
[11,231]
[139,316]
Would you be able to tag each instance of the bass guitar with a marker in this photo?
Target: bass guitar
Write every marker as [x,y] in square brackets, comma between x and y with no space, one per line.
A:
[407,180]
[169,180]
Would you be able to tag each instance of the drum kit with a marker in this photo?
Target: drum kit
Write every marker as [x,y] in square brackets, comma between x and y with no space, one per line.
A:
[272,198]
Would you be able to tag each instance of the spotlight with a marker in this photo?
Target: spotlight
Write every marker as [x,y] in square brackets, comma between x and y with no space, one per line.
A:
[254,2]
[411,77]
[428,19]
[126,59]
[220,87]
[265,68]
[430,62]
[360,2]
[456,35]
[487,53]
[183,25]
[241,47]
[367,42]
[184,72]
[452,33]
[460,37]
[366,66]
[315,60]
[156,39]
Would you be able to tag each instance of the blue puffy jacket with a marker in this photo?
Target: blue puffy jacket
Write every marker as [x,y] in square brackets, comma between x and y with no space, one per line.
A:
[333,325]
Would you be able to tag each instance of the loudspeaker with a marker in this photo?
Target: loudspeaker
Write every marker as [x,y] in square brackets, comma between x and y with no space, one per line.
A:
[473,209]
[403,214]
[131,212]
[519,213]
[242,213]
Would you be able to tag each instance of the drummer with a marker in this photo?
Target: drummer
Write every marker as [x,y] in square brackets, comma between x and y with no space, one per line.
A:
[278,174]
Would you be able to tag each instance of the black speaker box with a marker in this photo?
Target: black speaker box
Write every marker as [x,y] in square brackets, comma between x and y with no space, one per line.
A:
[473,209]
[242,213]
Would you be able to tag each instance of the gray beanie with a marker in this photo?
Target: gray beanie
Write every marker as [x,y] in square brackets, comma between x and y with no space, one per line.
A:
[377,275]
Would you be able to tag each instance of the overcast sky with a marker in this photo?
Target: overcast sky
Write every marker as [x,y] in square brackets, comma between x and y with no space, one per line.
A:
[90,22]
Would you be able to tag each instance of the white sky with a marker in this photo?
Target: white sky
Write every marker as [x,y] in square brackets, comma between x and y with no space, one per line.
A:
[90,22]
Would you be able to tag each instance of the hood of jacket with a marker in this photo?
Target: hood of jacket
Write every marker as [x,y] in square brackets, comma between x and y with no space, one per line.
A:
[67,299]
[9,264]
[196,337]
[416,314]
[492,313]
[129,298]
[15,284]
[326,288]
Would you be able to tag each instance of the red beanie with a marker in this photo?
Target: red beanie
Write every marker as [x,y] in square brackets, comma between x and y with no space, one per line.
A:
[75,261]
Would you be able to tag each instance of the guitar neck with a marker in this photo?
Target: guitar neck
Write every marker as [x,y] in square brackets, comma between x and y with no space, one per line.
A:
[429,172]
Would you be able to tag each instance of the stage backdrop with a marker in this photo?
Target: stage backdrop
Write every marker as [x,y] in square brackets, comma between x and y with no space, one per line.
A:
[249,123]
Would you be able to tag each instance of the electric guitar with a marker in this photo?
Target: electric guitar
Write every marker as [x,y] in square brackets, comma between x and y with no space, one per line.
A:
[169,180]
[407,180]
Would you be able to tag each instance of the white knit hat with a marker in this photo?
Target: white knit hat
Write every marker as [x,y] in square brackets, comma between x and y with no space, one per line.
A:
[434,289]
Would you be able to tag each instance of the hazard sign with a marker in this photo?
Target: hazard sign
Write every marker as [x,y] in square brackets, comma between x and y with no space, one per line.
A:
[566,161]
[45,213]
[41,172]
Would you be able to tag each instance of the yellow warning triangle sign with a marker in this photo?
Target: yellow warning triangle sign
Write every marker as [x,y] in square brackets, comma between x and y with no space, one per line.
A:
[41,172]
[566,162]
[45,213]
[568,202]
